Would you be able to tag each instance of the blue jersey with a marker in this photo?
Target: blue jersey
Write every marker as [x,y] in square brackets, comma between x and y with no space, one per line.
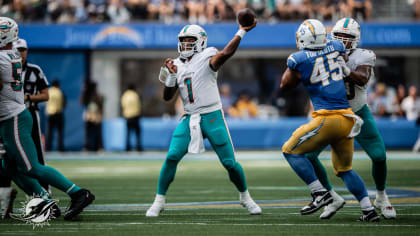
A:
[322,75]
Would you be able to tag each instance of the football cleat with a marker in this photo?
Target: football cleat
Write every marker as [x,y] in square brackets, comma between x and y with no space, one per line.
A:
[387,211]
[7,196]
[79,200]
[156,208]
[332,208]
[370,216]
[319,199]
[252,207]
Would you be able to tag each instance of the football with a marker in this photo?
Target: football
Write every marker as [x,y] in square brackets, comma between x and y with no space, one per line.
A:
[246,17]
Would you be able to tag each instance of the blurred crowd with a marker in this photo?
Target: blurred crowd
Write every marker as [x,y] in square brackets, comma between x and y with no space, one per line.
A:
[390,102]
[193,11]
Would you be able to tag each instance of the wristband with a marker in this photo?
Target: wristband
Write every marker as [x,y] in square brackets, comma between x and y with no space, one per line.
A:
[241,33]
[170,80]
[28,98]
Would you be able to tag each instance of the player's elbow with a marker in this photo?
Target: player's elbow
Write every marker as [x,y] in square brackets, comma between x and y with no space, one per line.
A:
[167,97]
[226,54]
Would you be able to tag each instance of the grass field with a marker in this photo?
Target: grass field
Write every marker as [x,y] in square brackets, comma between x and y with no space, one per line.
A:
[202,201]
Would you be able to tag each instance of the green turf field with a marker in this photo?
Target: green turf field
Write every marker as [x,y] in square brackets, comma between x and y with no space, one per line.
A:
[202,201]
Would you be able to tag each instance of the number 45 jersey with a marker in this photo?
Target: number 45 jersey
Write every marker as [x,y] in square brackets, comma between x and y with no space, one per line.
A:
[11,96]
[197,83]
[322,76]
[357,95]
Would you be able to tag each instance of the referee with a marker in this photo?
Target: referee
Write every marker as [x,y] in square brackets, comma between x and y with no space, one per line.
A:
[36,90]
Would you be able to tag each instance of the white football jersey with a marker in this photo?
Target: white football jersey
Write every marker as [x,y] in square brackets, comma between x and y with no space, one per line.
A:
[11,96]
[197,83]
[357,95]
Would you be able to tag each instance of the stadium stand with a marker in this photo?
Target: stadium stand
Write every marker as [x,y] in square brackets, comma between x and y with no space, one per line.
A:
[100,42]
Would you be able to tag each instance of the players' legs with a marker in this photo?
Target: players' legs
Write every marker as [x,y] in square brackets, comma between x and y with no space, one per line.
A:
[342,156]
[319,168]
[371,141]
[306,139]
[37,138]
[215,129]
[7,194]
[177,150]
[127,138]
[20,146]
[29,185]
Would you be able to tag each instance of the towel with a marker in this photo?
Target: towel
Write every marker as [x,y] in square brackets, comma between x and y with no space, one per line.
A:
[356,127]
[197,143]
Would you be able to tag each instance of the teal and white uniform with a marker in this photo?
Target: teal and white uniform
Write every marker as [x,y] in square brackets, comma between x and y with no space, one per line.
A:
[11,96]
[21,162]
[197,83]
[369,137]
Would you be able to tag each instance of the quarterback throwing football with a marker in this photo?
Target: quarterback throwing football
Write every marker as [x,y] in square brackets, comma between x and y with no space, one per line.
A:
[194,73]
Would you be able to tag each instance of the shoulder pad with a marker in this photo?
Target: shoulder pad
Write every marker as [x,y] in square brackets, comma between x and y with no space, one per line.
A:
[292,61]
[365,57]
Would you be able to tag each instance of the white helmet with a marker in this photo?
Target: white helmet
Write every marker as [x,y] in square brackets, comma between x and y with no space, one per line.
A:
[311,35]
[8,31]
[349,27]
[192,47]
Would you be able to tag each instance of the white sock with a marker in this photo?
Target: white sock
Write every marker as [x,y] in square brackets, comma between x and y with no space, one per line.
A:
[334,194]
[160,198]
[381,196]
[244,195]
[365,204]
[316,186]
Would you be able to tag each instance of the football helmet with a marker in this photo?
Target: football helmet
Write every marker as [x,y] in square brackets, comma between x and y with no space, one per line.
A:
[187,49]
[349,27]
[8,31]
[311,34]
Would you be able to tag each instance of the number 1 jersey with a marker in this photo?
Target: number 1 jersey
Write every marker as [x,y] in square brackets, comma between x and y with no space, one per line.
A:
[11,96]
[197,83]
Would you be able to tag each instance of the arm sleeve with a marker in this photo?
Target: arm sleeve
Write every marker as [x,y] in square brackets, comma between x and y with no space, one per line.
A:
[209,52]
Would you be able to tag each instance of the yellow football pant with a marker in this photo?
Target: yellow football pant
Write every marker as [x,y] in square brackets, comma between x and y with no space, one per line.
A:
[327,127]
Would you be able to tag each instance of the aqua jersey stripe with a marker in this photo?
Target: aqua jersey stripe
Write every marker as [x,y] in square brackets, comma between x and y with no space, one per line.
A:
[346,23]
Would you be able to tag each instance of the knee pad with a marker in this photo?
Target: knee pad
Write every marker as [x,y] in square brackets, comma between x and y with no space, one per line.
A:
[229,164]
[378,155]
[173,156]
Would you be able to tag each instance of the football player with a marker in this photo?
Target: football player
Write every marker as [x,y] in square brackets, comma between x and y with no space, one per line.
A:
[16,126]
[357,71]
[318,65]
[194,74]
